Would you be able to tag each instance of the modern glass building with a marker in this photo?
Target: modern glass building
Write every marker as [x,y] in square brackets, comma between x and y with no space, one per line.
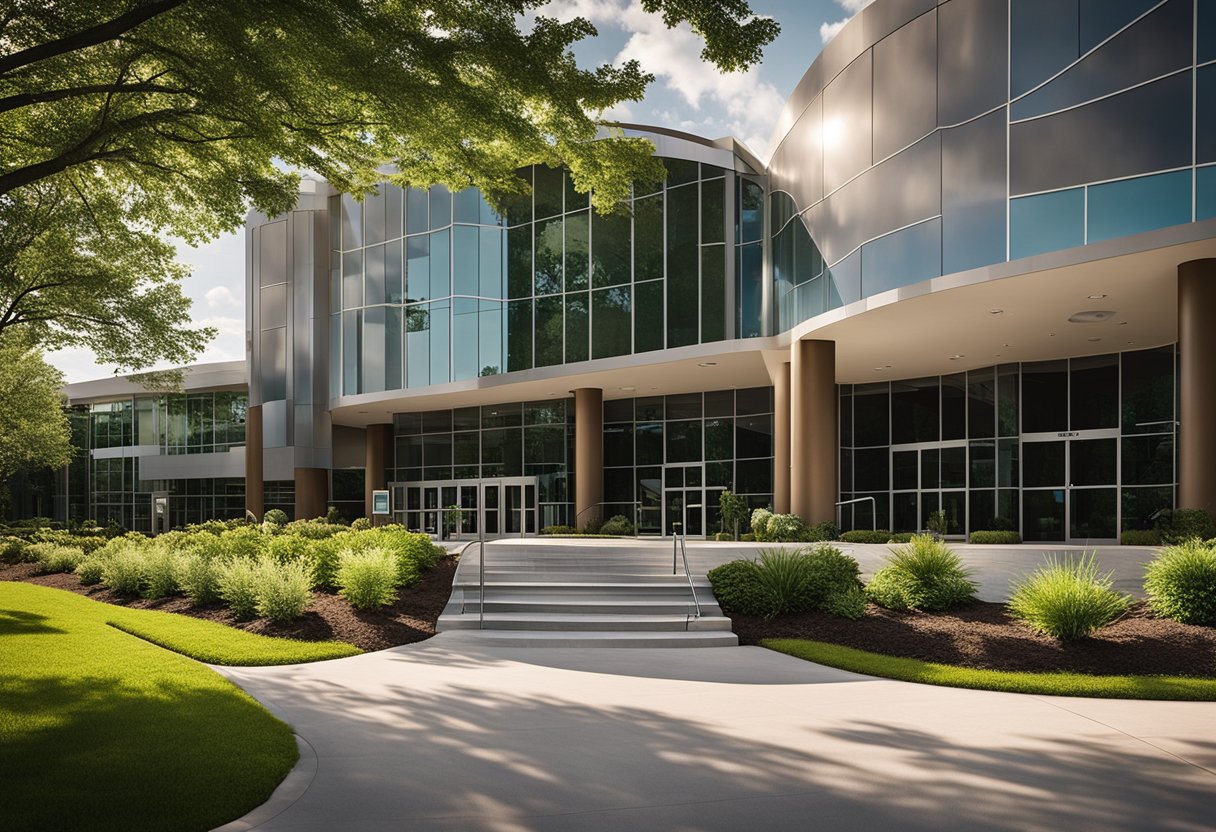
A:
[974,275]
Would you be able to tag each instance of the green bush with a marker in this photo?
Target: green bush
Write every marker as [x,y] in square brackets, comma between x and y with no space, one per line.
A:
[1141,537]
[1185,524]
[747,537]
[995,536]
[723,536]
[90,570]
[559,529]
[244,542]
[123,567]
[313,529]
[198,575]
[617,525]
[322,558]
[759,524]
[53,557]
[822,532]
[1181,583]
[237,581]
[922,575]
[851,603]
[160,571]
[1067,599]
[275,517]
[786,528]
[367,579]
[866,536]
[282,590]
[361,524]
[13,549]
[900,537]
[737,587]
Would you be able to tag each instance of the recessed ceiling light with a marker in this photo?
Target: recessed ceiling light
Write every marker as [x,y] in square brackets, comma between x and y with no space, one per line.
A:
[1120,323]
[708,364]
[1006,345]
[1098,296]
[878,369]
[995,311]
[1095,339]
[627,388]
[957,357]
[363,412]
[1091,316]
[1051,335]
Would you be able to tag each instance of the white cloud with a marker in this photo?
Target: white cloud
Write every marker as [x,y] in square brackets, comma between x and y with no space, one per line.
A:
[597,11]
[827,31]
[220,297]
[226,326]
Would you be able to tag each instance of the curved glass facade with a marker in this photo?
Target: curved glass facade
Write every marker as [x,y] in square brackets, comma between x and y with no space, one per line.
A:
[971,132]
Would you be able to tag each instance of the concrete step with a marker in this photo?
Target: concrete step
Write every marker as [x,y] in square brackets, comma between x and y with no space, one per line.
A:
[580,588]
[615,605]
[580,622]
[466,576]
[553,638]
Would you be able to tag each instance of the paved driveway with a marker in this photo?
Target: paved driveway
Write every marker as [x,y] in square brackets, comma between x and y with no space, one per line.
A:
[447,736]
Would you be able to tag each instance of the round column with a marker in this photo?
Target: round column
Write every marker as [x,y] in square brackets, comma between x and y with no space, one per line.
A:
[781,439]
[588,454]
[312,493]
[813,434]
[375,477]
[1197,385]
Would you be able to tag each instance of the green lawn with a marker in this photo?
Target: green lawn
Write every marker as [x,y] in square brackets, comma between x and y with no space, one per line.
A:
[102,730]
[1052,684]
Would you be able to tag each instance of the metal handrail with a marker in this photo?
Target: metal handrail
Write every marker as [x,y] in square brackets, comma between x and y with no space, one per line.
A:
[873,510]
[480,542]
[677,540]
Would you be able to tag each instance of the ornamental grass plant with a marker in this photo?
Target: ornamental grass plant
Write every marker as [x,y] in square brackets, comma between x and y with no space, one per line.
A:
[1181,583]
[925,574]
[1066,598]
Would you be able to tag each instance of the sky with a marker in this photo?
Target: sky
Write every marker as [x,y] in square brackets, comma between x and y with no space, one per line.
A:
[686,95]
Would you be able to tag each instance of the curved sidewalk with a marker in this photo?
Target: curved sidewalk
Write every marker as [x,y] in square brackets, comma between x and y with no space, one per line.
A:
[448,736]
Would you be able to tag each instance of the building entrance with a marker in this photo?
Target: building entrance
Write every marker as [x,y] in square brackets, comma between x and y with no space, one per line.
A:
[501,507]
[684,498]
[1070,486]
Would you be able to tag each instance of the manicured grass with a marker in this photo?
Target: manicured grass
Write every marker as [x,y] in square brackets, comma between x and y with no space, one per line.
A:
[101,730]
[1051,684]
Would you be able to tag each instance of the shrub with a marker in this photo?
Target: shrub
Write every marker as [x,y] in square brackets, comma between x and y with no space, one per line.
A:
[275,517]
[822,532]
[723,536]
[747,537]
[900,537]
[123,568]
[995,536]
[1181,583]
[13,550]
[244,542]
[367,579]
[851,603]
[90,570]
[866,536]
[1067,599]
[313,529]
[737,588]
[559,529]
[55,558]
[322,559]
[160,571]
[760,521]
[237,582]
[1185,524]
[785,528]
[618,525]
[732,509]
[1141,537]
[922,575]
[282,590]
[360,524]
[199,576]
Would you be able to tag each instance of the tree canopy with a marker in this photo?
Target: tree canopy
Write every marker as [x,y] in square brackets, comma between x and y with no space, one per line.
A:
[34,431]
[121,120]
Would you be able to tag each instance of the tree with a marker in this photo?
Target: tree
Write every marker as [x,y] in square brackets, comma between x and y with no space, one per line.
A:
[732,509]
[122,120]
[34,431]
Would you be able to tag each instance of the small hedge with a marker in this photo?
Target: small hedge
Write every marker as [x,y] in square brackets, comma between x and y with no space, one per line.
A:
[787,581]
[368,579]
[1067,599]
[55,558]
[789,528]
[923,575]
[1184,524]
[995,537]
[1181,583]
[866,536]
[1141,537]
[559,530]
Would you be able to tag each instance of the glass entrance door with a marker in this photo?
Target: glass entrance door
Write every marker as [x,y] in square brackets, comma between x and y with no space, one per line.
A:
[684,499]
[1070,487]
[925,478]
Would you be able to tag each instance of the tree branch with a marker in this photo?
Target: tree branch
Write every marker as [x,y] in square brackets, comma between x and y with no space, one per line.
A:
[26,99]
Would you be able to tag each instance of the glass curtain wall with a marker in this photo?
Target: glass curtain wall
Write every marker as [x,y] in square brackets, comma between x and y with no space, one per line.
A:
[429,287]
[1073,449]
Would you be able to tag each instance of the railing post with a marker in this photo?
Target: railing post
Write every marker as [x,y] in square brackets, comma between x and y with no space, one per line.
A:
[481,578]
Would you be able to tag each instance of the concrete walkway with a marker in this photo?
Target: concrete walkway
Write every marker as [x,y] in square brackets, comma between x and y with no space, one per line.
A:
[448,736]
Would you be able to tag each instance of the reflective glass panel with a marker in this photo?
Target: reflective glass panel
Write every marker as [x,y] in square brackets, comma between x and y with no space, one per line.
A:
[914,409]
[971,51]
[1047,222]
[490,265]
[713,222]
[848,123]
[519,335]
[1043,515]
[1093,513]
[973,192]
[440,271]
[418,268]
[610,250]
[1045,397]
[713,293]
[547,191]
[611,321]
[907,256]
[1044,39]
[577,326]
[577,251]
[954,406]
[373,350]
[1205,114]
[1148,460]
[1042,464]
[648,316]
[548,258]
[441,206]
[417,210]
[1205,193]
[1130,206]
[1148,390]
[393,320]
[981,403]
[465,250]
[549,331]
[648,238]
[749,291]
[519,261]
[905,85]
[1095,392]
[871,415]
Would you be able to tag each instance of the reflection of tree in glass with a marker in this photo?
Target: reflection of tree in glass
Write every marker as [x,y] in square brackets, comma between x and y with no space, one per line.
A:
[489,370]
[417,319]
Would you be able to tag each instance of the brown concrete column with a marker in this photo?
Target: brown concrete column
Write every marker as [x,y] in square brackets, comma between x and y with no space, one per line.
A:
[1197,385]
[312,492]
[375,477]
[588,454]
[254,482]
[781,440]
[813,436]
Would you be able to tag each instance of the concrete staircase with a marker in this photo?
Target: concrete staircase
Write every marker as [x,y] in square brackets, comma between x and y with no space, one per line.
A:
[610,597]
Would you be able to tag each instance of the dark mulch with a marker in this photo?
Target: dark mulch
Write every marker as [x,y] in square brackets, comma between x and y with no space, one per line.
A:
[982,635]
[412,618]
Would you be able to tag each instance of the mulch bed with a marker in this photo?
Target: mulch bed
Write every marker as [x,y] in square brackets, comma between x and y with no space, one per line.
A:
[329,618]
[981,635]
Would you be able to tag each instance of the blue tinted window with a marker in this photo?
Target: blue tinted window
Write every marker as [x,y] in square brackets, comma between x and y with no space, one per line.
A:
[750,291]
[844,281]
[1102,18]
[1118,209]
[1207,31]
[904,257]
[1205,115]
[1205,193]
[1043,40]
[1047,222]
[973,194]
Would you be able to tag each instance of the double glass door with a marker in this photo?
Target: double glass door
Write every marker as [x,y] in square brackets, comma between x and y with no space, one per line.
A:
[1070,487]
[462,508]
[925,478]
[684,499]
